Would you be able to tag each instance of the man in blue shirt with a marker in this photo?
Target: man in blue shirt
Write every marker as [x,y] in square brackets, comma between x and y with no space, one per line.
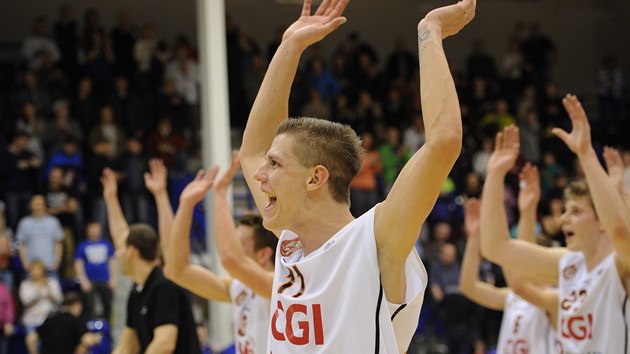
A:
[94,264]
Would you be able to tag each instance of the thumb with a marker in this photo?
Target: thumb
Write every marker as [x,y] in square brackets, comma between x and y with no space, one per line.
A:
[560,133]
[335,23]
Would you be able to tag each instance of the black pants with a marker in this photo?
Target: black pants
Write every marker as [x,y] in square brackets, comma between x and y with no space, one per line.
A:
[105,295]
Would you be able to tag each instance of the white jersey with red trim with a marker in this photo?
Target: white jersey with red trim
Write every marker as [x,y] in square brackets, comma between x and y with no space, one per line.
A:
[593,309]
[332,301]
[525,329]
[251,319]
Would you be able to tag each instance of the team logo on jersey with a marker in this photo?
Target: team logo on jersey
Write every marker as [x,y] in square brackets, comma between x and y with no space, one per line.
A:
[569,272]
[293,276]
[239,299]
[288,247]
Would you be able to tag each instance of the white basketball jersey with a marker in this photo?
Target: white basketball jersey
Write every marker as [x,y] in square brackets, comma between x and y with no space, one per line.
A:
[332,301]
[593,307]
[251,319]
[525,328]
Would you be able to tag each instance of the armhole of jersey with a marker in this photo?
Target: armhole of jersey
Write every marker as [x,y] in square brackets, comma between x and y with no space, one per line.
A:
[400,308]
[377,336]
[625,322]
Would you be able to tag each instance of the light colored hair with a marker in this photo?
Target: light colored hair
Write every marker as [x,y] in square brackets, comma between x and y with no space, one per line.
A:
[579,189]
[332,145]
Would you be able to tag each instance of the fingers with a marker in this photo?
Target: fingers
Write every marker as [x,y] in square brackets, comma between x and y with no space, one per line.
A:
[560,133]
[306,8]
[338,8]
[321,10]
[498,141]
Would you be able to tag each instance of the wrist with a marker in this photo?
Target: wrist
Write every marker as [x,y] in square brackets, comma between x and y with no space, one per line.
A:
[587,153]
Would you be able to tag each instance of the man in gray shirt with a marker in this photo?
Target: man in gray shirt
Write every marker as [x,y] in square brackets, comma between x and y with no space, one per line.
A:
[40,236]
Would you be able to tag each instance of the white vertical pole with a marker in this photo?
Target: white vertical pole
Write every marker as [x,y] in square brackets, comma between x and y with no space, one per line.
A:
[215,136]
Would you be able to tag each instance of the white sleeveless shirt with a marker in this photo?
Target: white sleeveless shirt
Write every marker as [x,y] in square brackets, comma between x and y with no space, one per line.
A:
[332,300]
[593,310]
[525,329]
[251,319]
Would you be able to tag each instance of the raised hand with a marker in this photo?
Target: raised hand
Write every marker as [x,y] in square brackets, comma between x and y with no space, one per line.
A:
[615,167]
[197,189]
[110,183]
[579,140]
[223,183]
[506,150]
[529,194]
[472,210]
[155,179]
[449,19]
[309,29]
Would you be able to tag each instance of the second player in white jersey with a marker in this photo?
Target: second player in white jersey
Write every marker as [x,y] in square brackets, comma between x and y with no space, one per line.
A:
[309,305]
[251,319]
[593,311]
[525,328]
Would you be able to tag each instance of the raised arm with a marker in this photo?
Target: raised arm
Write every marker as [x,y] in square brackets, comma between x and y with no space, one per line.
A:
[528,198]
[118,227]
[155,181]
[271,106]
[230,249]
[482,293]
[195,278]
[615,167]
[419,183]
[609,204]
[539,263]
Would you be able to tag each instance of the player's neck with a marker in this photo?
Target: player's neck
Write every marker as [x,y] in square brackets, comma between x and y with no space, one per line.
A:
[323,223]
[141,273]
[598,252]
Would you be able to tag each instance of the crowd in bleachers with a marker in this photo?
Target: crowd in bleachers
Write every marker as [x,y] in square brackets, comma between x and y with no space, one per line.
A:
[83,97]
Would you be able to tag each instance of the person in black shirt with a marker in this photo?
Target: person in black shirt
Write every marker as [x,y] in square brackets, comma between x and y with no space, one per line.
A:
[159,317]
[64,332]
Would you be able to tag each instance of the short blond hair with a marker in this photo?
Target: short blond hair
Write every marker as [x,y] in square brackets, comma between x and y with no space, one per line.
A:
[579,189]
[332,145]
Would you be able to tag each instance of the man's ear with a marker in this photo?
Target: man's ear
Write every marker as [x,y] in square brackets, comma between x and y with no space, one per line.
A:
[318,178]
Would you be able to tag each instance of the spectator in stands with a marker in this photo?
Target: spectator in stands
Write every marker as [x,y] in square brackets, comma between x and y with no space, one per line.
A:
[85,105]
[167,145]
[539,52]
[91,23]
[401,63]
[95,266]
[315,107]
[144,51]
[70,160]
[38,43]
[457,312]
[529,127]
[320,79]
[364,187]
[480,63]
[19,175]
[171,104]
[40,237]
[610,91]
[394,156]
[63,204]
[61,128]
[494,121]
[99,64]
[511,69]
[64,331]
[185,73]
[108,129]
[123,38]
[39,294]
[414,136]
[7,317]
[33,125]
[33,92]
[134,163]
[66,36]
[128,107]
[6,252]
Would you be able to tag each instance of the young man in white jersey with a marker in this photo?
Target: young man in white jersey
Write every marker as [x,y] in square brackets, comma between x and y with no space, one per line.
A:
[524,327]
[246,251]
[345,285]
[593,271]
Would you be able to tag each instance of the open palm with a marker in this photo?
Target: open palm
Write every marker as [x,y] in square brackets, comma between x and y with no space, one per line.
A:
[197,189]
[155,179]
[615,166]
[309,29]
[472,212]
[223,183]
[529,194]
[579,140]
[451,18]
[506,150]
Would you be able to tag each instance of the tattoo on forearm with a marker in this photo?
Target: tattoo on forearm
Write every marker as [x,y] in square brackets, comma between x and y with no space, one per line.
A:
[422,39]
